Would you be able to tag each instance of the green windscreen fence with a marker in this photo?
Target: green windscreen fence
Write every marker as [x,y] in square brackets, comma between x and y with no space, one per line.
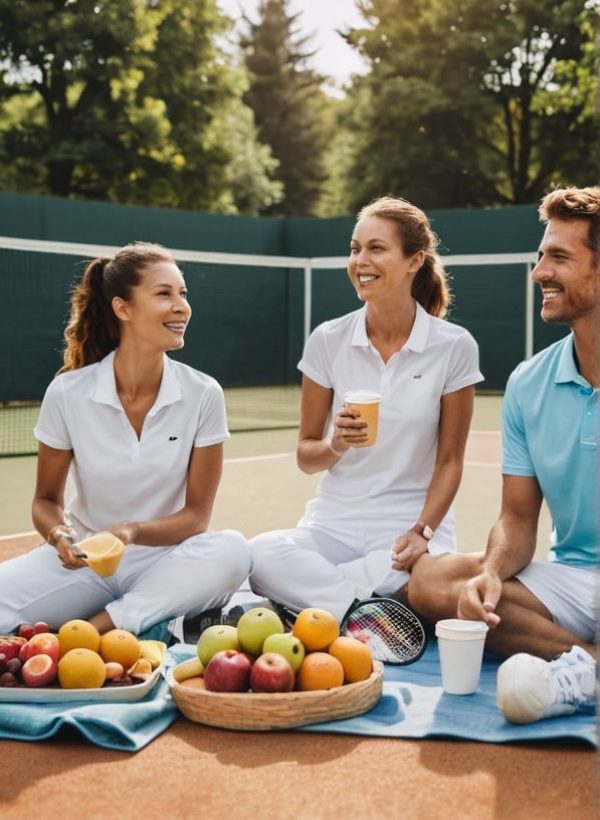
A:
[248,322]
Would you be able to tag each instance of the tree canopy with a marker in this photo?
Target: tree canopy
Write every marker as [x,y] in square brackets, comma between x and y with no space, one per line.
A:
[288,104]
[474,102]
[127,100]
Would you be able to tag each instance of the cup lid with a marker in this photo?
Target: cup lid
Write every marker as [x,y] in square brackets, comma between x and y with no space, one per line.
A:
[458,629]
[362,396]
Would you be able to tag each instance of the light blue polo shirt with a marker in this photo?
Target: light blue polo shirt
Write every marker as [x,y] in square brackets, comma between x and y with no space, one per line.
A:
[550,430]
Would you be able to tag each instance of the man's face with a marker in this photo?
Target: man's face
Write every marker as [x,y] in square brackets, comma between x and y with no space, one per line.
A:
[567,272]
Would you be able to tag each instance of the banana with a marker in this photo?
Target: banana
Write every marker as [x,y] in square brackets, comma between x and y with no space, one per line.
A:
[153,651]
[191,668]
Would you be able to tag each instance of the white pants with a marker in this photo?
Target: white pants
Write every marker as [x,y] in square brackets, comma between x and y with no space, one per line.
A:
[307,566]
[570,594]
[150,585]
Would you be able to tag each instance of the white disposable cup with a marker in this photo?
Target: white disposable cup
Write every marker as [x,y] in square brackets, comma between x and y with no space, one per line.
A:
[460,645]
[367,404]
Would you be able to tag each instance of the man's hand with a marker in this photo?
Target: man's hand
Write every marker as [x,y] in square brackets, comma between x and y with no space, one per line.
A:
[407,549]
[479,597]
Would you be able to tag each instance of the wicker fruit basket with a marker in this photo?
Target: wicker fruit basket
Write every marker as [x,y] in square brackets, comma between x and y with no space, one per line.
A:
[261,712]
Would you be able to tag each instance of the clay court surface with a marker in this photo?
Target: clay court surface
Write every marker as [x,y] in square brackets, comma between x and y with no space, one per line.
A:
[196,772]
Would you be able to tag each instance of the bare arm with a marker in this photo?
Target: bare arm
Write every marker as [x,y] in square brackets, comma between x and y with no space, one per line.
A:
[47,508]
[510,548]
[455,420]
[204,474]
[314,452]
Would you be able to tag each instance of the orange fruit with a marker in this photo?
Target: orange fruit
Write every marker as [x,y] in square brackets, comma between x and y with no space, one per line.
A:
[81,669]
[193,683]
[120,646]
[319,670]
[316,628]
[354,656]
[78,634]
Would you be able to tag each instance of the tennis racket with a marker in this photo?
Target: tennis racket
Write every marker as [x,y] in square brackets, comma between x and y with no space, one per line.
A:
[391,630]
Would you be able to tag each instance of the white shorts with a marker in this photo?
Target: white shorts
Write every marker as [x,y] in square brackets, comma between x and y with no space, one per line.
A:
[569,593]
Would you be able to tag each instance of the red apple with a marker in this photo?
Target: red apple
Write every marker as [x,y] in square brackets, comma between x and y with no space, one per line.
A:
[45,643]
[271,673]
[40,627]
[26,631]
[39,670]
[228,671]
[10,645]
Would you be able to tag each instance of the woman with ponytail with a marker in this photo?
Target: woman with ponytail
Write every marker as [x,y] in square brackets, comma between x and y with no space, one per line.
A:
[378,508]
[142,438]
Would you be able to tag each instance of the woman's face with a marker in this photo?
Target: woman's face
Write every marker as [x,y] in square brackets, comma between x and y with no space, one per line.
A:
[377,266]
[158,311]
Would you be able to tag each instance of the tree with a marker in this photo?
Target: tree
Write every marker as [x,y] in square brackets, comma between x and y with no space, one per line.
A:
[124,100]
[474,102]
[288,104]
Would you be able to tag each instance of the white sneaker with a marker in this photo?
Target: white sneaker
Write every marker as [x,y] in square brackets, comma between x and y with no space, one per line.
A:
[529,688]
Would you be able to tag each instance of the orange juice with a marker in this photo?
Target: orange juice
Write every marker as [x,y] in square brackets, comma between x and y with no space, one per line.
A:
[367,404]
[104,552]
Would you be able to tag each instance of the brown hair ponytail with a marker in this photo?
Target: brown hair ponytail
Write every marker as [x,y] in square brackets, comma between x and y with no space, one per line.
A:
[429,286]
[93,328]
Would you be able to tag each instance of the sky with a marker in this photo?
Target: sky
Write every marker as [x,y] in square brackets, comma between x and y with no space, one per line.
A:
[319,17]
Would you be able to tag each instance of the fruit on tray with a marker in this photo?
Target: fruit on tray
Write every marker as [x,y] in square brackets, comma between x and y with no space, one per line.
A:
[74,656]
[78,634]
[39,670]
[43,643]
[121,646]
[282,662]
[81,669]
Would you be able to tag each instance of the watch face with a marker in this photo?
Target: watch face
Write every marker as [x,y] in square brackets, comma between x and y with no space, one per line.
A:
[427,532]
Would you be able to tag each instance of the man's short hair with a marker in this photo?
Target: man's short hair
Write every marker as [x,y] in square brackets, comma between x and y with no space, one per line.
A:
[575,203]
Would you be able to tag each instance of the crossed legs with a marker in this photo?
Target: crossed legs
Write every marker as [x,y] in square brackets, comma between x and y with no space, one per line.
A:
[526,625]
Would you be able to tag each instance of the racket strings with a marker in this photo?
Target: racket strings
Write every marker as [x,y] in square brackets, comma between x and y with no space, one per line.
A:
[393,634]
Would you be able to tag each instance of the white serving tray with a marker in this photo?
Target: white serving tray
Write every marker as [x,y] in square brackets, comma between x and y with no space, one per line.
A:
[54,694]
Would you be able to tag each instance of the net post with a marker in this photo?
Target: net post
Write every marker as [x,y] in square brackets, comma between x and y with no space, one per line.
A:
[307,299]
[529,311]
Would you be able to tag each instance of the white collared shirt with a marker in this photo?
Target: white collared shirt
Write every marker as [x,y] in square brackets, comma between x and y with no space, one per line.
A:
[114,475]
[390,479]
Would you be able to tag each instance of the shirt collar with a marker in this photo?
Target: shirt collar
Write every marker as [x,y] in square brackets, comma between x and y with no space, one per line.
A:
[106,386]
[418,334]
[566,370]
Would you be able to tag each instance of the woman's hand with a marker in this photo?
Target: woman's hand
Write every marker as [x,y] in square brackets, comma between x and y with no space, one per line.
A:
[126,531]
[348,430]
[407,550]
[62,538]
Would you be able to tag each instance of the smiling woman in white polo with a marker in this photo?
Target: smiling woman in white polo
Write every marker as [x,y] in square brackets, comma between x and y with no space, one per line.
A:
[377,508]
[142,436]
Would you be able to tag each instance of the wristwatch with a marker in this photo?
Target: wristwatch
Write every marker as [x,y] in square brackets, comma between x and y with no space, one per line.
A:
[424,530]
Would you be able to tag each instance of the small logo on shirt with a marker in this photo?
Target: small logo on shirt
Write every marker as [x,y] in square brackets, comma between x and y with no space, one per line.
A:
[172,438]
[417,376]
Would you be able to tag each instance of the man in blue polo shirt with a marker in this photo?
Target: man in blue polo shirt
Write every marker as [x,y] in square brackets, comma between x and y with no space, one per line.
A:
[545,612]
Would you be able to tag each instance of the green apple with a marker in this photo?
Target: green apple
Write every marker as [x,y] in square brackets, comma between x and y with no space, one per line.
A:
[214,639]
[255,626]
[287,645]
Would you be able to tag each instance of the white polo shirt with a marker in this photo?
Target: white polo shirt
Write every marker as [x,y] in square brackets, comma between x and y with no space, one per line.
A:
[114,476]
[388,481]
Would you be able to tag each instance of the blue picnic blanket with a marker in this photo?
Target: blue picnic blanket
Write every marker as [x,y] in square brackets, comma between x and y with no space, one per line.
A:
[413,706]
[126,727]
